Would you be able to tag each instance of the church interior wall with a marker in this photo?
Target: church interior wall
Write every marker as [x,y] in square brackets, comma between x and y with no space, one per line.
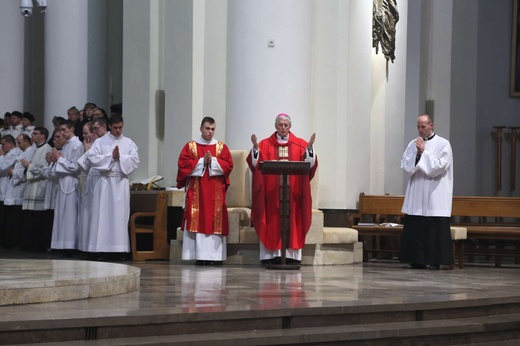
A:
[33,75]
[140,82]
[339,142]
[115,52]
[456,53]
[66,69]
[344,72]
[416,56]
[264,80]
[368,120]
[464,96]
[13,74]
[215,65]
[395,109]
[494,105]
[97,52]
[178,83]
[199,78]
[438,83]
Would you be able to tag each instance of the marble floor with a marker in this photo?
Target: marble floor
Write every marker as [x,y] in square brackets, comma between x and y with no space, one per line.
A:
[167,289]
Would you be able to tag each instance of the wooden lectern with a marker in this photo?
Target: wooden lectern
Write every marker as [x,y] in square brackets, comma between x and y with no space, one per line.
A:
[284,168]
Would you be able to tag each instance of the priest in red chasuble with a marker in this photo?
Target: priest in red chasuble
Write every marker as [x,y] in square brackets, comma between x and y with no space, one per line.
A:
[266,190]
[204,167]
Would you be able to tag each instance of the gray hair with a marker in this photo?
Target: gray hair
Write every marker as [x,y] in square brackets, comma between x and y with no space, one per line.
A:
[284,116]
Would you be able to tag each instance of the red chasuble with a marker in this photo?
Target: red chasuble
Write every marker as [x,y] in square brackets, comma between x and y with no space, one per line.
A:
[206,209]
[266,210]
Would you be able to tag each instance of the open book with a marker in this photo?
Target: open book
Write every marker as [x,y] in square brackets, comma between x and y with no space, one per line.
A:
[148,181]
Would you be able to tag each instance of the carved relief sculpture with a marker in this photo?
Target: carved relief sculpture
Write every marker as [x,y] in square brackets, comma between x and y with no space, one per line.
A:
[384,20]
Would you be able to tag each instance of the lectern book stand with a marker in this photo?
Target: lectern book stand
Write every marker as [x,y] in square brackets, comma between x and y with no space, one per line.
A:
[284,168]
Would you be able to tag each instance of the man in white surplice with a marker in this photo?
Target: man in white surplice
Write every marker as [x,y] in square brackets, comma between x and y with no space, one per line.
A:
[65,225]
[99,129]
[116,157]
[15,190]
[428,162]
[37,222]
[9,152]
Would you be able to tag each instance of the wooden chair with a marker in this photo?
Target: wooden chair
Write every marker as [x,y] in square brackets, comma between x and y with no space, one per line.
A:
[158,230]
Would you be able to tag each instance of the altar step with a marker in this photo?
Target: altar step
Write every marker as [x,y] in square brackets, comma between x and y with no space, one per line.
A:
[491,330]
[453,323]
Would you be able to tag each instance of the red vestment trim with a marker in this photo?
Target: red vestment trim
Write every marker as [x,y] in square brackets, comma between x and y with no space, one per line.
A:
[205,206]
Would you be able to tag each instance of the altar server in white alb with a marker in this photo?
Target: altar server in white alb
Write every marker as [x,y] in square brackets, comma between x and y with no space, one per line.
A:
[115,157]
[16,188]
[99,129]
[37,222]
[65,226]
[9,152]
[428,161]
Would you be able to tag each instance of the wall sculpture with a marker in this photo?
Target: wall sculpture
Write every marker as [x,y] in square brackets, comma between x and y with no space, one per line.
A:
[384,20]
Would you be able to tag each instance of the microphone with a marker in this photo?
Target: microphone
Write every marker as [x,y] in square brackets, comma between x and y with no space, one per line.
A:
[301,146]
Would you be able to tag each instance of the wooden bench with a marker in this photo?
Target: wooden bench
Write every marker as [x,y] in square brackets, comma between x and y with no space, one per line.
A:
[375,210]
[489,218]
[482,218]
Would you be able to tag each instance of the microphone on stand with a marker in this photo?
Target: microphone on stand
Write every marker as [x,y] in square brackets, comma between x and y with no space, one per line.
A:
[301,146]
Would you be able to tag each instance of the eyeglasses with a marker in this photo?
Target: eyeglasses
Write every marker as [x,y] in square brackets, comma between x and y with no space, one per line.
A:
[95,128]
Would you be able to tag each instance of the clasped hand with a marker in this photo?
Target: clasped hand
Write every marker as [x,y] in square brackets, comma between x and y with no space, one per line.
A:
[115,153]
[207,158]
[419,144]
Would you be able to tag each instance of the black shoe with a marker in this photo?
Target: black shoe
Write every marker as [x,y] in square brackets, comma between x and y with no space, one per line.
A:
[269,261]
[62,253]
[292,261]
[434,267]
[275,260]
[415,266]
[200,263]
[101,257]
[213,263]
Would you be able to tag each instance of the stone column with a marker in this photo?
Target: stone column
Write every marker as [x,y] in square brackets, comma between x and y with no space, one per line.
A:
[66,68]
[269,68]
[12,62]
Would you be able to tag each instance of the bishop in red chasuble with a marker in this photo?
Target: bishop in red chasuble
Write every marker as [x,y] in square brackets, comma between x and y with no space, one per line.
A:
[266,191]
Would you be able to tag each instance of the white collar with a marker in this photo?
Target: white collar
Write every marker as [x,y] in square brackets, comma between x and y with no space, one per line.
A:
[282,139]
[202,141]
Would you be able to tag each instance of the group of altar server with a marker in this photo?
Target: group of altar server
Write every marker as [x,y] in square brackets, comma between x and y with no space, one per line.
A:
[58,210]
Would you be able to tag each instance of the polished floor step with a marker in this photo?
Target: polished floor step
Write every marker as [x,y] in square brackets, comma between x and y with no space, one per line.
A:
[181,301]
[504,328]
[300,318]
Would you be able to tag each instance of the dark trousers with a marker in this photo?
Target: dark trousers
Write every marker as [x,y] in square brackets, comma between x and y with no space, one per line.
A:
[426,240]
[12,225]
[36,230]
